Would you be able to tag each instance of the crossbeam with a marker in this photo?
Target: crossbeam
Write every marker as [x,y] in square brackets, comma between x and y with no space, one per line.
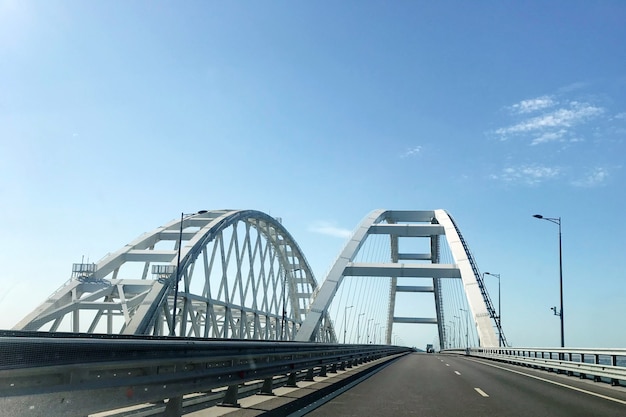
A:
[402,270]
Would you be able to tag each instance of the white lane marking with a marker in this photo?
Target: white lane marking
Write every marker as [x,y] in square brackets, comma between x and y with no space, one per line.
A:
[447,364]
[457,372]
[595,394]
[481,392]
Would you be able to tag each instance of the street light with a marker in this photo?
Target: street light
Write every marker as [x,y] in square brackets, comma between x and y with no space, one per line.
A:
[457,317]
[499,308]
[466,326]
[180,239]
[284,312]
[358,327]
[345,323]
[367,326]
[453,333]
[557,221]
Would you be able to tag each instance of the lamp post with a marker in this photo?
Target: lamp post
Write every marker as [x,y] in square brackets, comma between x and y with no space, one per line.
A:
[453,331]
[284,312]
[358,327]
[180,239]
[557,221]
[459,339]
[499,308]
[466,327]
[345,323]
[367,326]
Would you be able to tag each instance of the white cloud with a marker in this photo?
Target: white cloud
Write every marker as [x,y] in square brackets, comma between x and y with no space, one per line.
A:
[549,137]
[411,151]
[529,175]
[529,106]
[594,178]
[549,122]
[560,118]
[579,85]
[326,228]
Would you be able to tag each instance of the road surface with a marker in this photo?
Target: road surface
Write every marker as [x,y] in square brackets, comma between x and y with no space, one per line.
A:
[445,385]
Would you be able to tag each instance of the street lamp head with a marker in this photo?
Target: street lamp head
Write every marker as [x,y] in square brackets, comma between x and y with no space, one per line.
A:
[538,216]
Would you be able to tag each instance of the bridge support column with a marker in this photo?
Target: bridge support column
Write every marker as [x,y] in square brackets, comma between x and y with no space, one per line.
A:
[230,398]
[174,407]
[614,382]
[291,381]
[268,386]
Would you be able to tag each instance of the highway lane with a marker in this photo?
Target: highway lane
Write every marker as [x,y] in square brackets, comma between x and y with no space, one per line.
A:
[446,385]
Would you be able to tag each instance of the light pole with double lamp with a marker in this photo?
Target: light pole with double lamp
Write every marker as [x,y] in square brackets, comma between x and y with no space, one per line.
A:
[557,221]
[358,328]
[466,327]
[499,308]
[345,323]
[183,217]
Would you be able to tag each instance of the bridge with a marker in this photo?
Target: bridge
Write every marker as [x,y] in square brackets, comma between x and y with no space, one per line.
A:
[226,299]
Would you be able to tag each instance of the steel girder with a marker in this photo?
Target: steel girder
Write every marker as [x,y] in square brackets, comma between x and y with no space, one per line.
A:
[431,224]
[241,275]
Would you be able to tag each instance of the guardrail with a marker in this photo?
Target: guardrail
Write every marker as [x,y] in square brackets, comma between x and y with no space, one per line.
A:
[606,365]
[43,374]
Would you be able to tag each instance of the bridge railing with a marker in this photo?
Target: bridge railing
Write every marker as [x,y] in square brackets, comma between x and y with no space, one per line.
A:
[608,365]
[44,374]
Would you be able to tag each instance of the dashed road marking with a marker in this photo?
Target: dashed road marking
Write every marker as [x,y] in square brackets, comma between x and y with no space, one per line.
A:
[481,392]
[595,394]
[447,364]
[457,372]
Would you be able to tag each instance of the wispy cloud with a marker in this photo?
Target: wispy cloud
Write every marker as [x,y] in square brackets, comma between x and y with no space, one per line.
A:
[549,137]
[327,228]
[557,122]
[594,178]
[528,174]
[411,151]
[529,106]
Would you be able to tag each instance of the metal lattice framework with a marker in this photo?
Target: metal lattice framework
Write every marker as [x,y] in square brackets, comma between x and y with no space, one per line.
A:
[433,225]
[240,275]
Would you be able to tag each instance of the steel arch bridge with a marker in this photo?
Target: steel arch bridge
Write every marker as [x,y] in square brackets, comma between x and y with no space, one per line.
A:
[240,274]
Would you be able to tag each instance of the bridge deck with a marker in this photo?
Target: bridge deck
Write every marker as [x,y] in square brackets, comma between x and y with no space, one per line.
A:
[445,385]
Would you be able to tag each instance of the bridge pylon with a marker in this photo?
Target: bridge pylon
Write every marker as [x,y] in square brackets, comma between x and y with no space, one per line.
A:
[437,227]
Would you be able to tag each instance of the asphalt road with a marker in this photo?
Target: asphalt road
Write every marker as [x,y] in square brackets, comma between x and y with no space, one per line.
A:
[444,385]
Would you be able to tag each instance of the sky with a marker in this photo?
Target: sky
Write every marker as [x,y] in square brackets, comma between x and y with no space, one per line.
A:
[117,116]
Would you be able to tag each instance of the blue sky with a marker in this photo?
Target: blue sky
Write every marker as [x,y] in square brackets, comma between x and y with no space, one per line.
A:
[116,116]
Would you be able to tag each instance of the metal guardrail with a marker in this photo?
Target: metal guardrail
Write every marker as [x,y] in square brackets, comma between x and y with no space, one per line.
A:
[43,374]
[608,365]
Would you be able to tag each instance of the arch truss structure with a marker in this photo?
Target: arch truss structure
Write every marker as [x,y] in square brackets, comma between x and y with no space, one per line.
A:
[433,225]
[220,274]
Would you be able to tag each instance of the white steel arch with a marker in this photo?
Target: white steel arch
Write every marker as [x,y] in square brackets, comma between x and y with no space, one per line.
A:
[242,275]
[431,224]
